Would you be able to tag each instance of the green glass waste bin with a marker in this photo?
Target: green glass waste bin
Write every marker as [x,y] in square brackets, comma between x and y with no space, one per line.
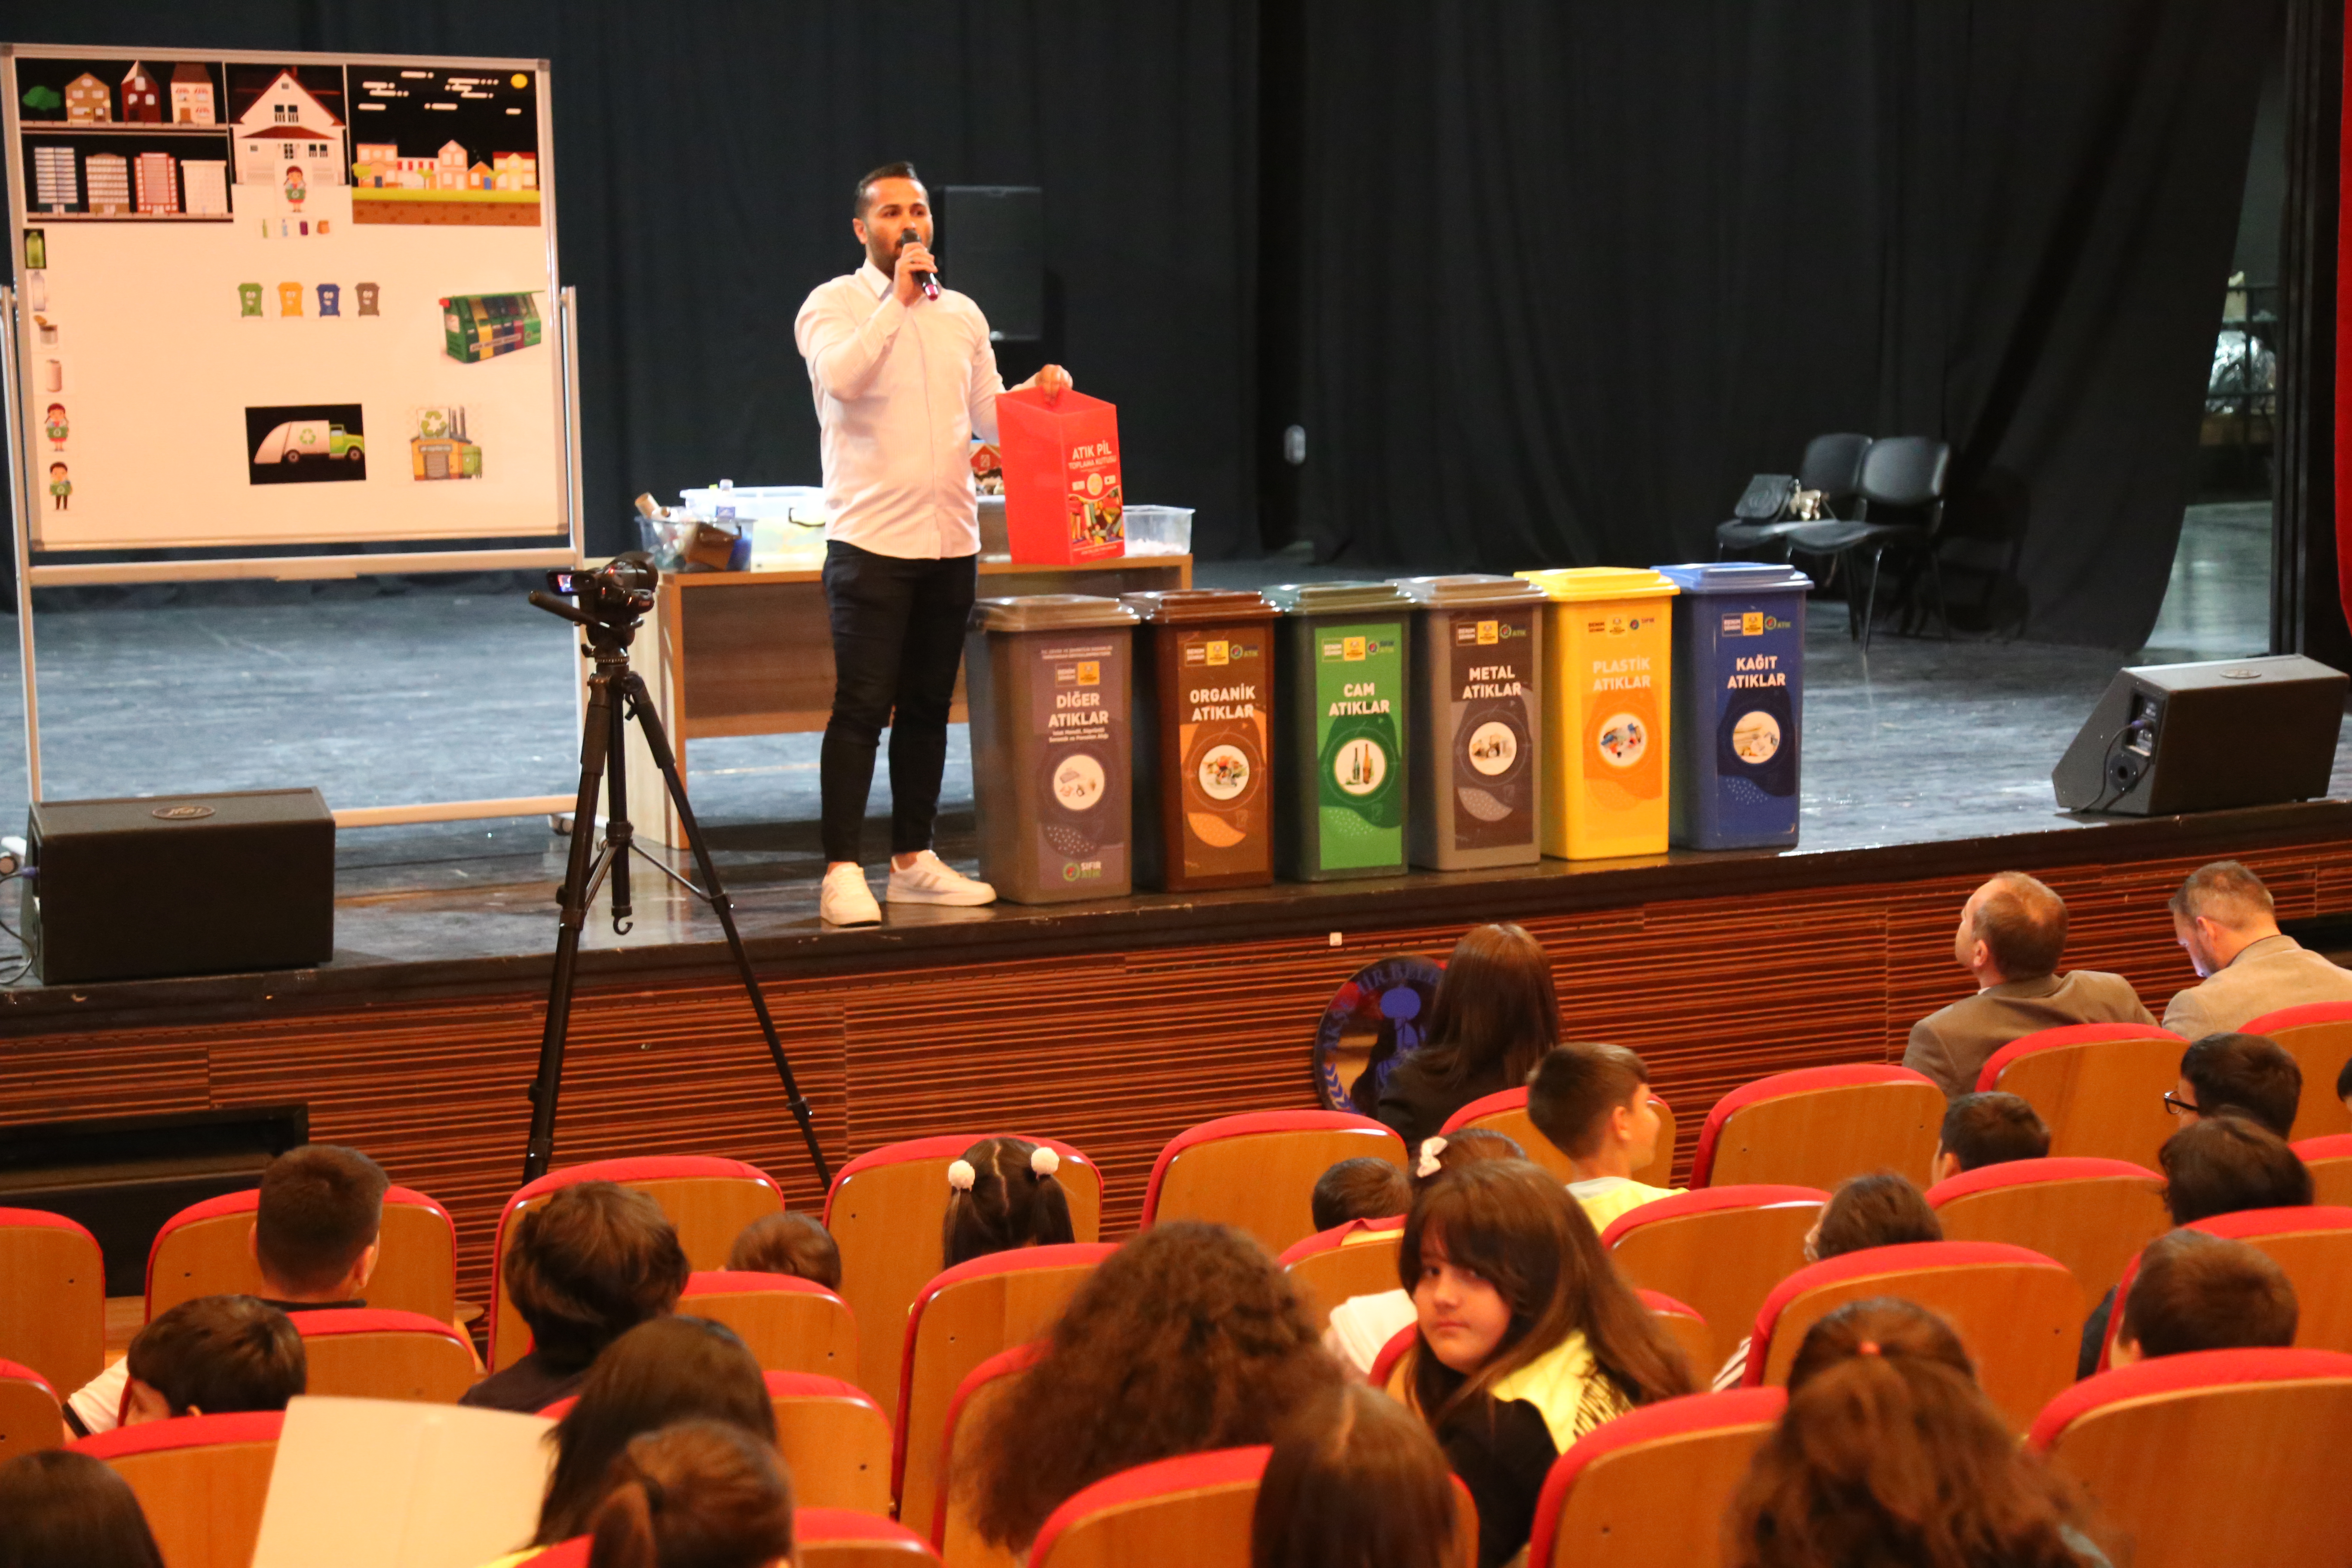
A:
[1340,705]
[1204,704]
[1477,732]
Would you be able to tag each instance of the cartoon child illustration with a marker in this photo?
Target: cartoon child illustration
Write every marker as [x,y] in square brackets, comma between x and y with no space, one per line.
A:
[295,188]
[60,487]
[54,425]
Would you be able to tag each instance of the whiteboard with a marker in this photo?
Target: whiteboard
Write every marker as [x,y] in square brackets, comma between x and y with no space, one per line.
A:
[244,283]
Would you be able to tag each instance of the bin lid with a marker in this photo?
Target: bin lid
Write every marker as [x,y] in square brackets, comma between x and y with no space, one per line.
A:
[1582,582]
[1736,577]
[1329,598]
[1049,613]
[1467,590]
[1188,606]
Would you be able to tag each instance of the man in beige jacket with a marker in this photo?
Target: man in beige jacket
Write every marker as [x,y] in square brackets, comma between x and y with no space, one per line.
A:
[2223,916]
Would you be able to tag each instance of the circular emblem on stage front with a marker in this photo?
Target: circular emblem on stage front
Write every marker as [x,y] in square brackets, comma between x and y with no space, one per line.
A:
[180,813]
[1625,740]
[1756,738]
[1373,1022]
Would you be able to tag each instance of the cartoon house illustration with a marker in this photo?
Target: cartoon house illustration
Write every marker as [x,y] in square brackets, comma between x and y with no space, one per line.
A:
[479,178]
[516,171]
[142,95]
[286,126]
[205,184]
[88,102]
[159,188]
[109,182]
[191,94]
[450,167]
[56,183]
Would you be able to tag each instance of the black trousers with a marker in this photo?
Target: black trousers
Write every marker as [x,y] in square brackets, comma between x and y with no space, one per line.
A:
[897,637]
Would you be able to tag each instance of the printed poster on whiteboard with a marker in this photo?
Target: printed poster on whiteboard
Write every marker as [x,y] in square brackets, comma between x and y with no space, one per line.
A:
[279,300]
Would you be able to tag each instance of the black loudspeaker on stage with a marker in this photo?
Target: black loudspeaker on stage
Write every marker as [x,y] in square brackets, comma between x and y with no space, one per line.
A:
[193,884]
[992,238]
[2171,738]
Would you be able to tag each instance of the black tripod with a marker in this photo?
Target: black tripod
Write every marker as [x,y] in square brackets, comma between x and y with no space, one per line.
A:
[610,603]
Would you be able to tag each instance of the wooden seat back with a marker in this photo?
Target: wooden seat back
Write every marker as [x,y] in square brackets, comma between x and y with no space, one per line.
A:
[1650,1490]
[366,1354]
[835,1441]
[1506,1112]
[845,1538]
[2090,1214]
[1359,1259]
[52,1297]
[30,1417]
[953,1535]
[200,1479]
[1177,1514]
[1816,1126]
[2099,1087]
[1689,1331]
[885,1211]
[206,1250]
[2318,1036]
[1257,1172]
[789,1324]
[1720,1250]
[2329,1160]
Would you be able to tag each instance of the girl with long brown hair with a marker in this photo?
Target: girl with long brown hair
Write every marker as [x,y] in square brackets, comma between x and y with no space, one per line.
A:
[1493,1017]
[1529,1337]
[701,1494]
[1359,1483]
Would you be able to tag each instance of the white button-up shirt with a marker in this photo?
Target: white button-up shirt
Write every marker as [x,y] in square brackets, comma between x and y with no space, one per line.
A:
[901,391]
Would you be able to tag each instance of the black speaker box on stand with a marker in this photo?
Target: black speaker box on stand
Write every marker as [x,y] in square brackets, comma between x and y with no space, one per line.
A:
[2170,738]
[172,885]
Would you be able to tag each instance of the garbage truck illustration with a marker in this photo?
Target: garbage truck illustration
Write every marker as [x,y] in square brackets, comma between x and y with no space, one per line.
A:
[303,440]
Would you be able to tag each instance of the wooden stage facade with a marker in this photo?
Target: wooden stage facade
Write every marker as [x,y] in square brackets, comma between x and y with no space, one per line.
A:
[1114,1025]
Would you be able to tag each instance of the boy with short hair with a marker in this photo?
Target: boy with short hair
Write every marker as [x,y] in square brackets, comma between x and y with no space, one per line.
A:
[212,1356]
[2250,1073]
[1361,1188]
[2198,1293]
[1592,1102]
[1988,1128]
[794,1243]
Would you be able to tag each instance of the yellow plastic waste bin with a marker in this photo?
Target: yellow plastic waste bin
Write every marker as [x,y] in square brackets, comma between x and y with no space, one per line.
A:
[1609,648]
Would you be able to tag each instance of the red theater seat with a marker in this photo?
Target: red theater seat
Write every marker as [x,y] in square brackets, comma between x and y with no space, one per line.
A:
[709,1200]
[790,1324]
[2090,1214]
[952,1532]
[2314,1245]
[52,1297]
[373,1353]
[1506,1112]
[1177,1514]
[2214,1457]
[2019,1313]
[1650,1489]
[2318,1036]
[1687,1328]
[1358,1259]
[1816,1126]
[30,1417]
[841,1538]
[885,1210]
[1721,1249]
[835,1440]
[200,1479]
[206,1250]
[2099,1087]
[1257,1172]
[2330,1161]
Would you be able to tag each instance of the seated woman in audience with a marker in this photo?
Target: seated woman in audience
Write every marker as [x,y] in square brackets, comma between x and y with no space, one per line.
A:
[1357,1482]
[585,1267]
[1361,1325]
[1004,1194]
[1888,1453]
[212,1356]
[64,1510]
[794,1243]
[1188,1338]
[699,1494]
[1529,1337]
[2192,1291]
[1493,1017]
[1881,1209]
[1361,1188]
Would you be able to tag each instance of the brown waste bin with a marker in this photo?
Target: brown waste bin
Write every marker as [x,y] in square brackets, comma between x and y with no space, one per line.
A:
[1204,691]
[1048,681]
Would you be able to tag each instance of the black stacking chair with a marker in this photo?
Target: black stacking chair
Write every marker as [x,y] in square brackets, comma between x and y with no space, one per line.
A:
[1833,465]
[1903,493]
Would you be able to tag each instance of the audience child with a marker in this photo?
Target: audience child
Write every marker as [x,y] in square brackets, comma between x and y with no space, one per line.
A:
[1359,1483]
[585,1267]
[2012,930]
[1188,1338]
[794,1243]
[316,1225]
[664,1371]
[1361,1188]
[212,1356]
[1593,1103]
[1004,1194]
[1988,1128]
[2224,918]
[1888,1325]
[2248,1074]
[64,1510]
[2192,1291]
[1493,1017]
[1361,1325]
[2219,1164]
[696,1495]
[1528,1339]
[1881,1209]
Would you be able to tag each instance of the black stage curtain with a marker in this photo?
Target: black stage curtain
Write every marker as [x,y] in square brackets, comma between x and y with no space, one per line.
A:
[1563,276]
[704,160]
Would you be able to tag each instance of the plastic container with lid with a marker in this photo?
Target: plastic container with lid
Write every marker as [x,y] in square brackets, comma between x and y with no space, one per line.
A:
[1739,704]
[1477,732]
[1607,714]
[1342,698]
[1048,679]
[1204,705]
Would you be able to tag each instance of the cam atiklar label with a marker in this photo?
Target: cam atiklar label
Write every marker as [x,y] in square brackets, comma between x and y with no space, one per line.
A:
[1358,694]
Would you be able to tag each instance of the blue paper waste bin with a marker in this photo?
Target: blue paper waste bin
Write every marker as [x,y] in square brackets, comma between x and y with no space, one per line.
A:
[1739,704]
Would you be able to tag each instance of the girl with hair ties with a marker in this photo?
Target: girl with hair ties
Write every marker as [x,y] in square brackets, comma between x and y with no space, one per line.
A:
[1004,1194]
[1361,1326]
[1889,1453]
[1188,1338]
[1358,1484]
[1493,1017]
[1529,1337]
[697,1495]
[58,1508]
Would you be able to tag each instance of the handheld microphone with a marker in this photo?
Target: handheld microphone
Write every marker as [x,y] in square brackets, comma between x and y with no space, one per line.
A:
[908,236]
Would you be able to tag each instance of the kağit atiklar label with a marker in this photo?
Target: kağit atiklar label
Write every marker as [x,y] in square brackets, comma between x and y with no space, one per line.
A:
[1491,660]
[1085,784]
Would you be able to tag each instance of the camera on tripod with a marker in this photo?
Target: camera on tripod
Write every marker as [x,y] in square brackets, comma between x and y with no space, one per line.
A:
[616,594]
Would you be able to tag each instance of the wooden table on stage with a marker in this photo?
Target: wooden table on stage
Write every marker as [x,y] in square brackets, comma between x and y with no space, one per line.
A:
[750,653]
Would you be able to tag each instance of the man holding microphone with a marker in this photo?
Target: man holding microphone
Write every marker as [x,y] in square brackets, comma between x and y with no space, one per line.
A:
[904,378]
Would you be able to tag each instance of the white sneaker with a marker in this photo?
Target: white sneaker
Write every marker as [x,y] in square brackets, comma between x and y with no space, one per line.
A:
[931,880]
[845,899]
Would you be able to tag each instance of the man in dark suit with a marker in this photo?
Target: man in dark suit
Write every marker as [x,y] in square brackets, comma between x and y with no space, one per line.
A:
[2012,932]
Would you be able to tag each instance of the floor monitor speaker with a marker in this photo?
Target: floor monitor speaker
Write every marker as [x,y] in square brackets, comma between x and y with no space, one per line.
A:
[2170,738]
[992,247]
